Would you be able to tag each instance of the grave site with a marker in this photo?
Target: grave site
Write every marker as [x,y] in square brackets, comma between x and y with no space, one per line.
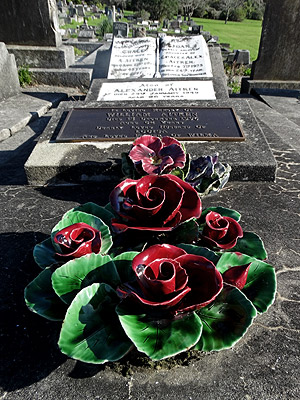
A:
[151,217]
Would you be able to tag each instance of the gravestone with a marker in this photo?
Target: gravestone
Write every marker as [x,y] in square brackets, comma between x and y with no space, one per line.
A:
[184,56]
[87,36]
[166,24]
[120,29]
[72,11]
[29,22]
[133,58]
[80,11]
[9,81]
[139,32]
[175,25]
[196,30]
[242,57]
[279,51]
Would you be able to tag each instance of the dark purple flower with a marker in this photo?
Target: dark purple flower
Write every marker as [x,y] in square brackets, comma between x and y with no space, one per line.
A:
[167,278]
[77,240]
[220,232]
[154,203]
[157,155]
[207,174]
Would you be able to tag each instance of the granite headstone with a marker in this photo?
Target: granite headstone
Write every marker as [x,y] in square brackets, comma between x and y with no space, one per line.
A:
[29,22]
[279,51]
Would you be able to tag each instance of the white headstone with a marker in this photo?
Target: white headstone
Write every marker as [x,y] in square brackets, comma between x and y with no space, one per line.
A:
[132,58]
[184,57]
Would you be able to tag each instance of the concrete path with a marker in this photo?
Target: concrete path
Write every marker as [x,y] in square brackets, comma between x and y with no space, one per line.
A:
[264,365]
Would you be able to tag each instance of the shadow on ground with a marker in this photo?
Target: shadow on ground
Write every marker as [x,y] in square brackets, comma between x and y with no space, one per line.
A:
[28,342]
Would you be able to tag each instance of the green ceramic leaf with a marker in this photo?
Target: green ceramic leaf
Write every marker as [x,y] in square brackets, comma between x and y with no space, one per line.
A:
[41,298]
[228,260]
[44,254]
[260,287]
[252,245]
[123,263]
[187,232]
[200,251]
[163,338]
[73,217]
[81,272]
[97,211]
[225,320]
[109,208]
[225,212]
[91,331]
[128,168]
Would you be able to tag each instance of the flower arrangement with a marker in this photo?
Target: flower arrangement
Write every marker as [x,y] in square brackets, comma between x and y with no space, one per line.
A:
[151,269]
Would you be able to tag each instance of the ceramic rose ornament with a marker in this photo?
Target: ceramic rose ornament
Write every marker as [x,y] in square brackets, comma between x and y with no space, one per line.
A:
[152,271]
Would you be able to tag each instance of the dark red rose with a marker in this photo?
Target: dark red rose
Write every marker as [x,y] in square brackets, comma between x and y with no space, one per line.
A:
[167,278]
[77,240]
[156,156]
[154,203]
[221,232]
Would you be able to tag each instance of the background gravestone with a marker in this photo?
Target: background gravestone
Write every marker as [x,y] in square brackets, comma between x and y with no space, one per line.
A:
[9,81]
[29,22]
[120,29]
[279,52]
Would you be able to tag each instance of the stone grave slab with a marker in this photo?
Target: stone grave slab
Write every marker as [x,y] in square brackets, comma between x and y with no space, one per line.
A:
[56,163]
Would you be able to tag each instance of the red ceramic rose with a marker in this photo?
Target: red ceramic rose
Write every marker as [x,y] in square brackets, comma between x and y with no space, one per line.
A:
[153,155]
[154,203]
[77,240]
[221,232]
[167,278]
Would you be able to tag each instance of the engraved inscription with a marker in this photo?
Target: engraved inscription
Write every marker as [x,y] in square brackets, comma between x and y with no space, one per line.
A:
[190,123]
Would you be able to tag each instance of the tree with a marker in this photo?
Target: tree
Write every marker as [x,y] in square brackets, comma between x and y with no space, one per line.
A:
[188,6]
[158,9]
[229,5]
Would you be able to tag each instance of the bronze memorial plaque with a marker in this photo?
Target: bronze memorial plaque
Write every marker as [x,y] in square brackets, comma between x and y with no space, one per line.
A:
[124,124]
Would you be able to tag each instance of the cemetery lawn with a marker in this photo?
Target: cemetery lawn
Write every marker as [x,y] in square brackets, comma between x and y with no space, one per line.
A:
[240,35]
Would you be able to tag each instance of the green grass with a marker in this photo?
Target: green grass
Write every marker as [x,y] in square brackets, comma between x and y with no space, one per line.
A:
[243,35]
[240,35]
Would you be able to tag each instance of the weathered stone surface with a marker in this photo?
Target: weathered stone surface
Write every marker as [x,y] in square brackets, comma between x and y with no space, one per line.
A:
[17,111]
[69,77]
[263,365]
[29,22]
[52,162]
[43,57]
[279,123]
[279,51]
[248,85]
[9,81]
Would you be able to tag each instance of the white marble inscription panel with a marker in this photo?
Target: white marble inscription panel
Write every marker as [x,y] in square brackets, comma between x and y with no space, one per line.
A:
[133,58]
[172,90]
[184,57]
